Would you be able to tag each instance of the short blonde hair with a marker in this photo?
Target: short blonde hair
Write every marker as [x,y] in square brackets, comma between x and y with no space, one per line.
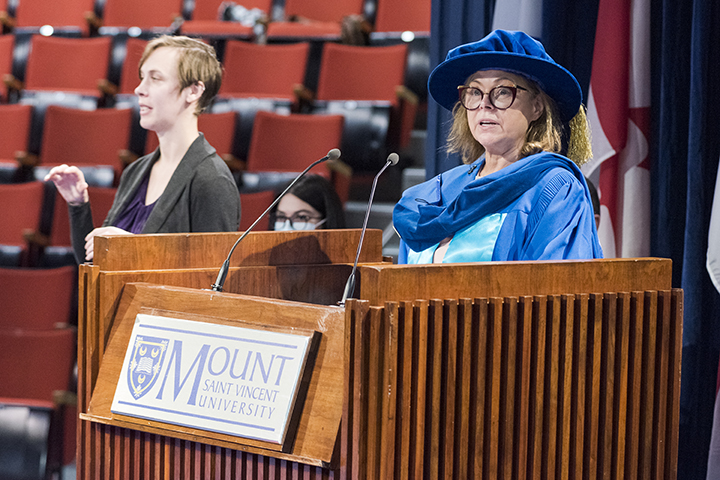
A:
[197,62]
[543,135]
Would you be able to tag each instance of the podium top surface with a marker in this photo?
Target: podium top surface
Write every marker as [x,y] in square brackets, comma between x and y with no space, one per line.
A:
[380,283]
[209,250]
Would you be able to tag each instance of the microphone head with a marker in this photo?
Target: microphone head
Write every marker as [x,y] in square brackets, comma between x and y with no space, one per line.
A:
[393,158]
[333,154]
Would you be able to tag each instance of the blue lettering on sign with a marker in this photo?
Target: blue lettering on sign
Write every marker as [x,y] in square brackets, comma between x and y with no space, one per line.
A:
[212,358]
[176,359]
[244,370]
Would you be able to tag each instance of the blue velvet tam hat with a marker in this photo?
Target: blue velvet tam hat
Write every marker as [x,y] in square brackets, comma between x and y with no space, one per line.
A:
[514,52]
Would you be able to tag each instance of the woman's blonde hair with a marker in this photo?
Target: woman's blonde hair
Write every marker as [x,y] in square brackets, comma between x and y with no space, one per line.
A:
[197,62]
[543,135]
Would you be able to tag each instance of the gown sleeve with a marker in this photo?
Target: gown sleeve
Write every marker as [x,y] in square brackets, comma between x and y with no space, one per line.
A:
[561,224]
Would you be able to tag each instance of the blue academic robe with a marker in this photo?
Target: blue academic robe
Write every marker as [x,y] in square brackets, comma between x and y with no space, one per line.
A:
[543,201]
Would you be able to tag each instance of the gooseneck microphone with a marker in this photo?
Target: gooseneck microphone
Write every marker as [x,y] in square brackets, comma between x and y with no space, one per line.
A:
[392,159]
[333,154]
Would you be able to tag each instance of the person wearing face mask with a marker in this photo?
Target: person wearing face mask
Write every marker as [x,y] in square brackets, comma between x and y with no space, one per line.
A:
[311,203]
[517,197]
[183,186]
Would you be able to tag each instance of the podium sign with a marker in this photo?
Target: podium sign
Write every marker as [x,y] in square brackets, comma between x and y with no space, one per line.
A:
[240,381]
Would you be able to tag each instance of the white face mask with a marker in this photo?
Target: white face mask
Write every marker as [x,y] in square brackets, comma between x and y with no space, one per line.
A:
[286,226]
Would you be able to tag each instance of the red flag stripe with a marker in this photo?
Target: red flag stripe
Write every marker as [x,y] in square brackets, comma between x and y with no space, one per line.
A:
[610,69]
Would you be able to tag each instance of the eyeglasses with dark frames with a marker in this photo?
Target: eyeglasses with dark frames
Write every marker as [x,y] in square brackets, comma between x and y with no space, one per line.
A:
[298,217]
[501,97]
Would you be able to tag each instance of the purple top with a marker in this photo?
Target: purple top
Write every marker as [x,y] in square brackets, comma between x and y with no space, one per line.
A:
[133,217]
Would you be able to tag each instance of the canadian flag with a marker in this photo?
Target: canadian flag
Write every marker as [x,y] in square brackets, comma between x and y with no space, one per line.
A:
[619,115]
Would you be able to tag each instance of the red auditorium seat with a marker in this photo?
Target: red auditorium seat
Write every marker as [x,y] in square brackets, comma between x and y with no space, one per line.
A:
[315,18]
[71,16]
[46,357]
[84,137]
[146,15]
[253,205]
[289,143]
[349,72]
[34,390]
[15,127]
[366,85]
[253,70]
[36,298]
[21,206]
[75,65]
[7,43]
[205,20]
[403,15]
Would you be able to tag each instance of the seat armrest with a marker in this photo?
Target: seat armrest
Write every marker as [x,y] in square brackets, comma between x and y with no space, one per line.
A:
[34,237]
[126,157]
[27,159]
[12,83]
[234,163]
[404,94]
[107,88]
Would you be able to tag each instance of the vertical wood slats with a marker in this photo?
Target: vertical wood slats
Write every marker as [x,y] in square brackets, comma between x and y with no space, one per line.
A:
[583,386]
[536,387]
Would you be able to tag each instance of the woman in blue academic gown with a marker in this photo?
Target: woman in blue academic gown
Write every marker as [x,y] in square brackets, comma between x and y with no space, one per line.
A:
[516,197]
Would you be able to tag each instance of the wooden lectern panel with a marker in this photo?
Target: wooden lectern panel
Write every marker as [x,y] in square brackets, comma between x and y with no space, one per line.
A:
[379,283]
[320,416]
[303,266]
[196,250]
[579,386]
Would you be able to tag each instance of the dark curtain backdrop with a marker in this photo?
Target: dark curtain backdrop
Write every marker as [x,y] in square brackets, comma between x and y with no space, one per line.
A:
[685,147]
[453,22]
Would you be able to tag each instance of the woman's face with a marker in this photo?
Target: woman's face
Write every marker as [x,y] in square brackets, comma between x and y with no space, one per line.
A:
[295,214]
[159,95]
[502,132]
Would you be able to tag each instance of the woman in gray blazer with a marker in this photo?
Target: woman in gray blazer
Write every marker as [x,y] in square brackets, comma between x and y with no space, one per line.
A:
[183,186]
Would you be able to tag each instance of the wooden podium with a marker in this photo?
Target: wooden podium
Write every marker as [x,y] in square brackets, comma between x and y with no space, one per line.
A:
[495,370]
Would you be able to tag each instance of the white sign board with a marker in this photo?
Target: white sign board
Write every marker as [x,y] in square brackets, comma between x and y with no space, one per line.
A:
[227,379]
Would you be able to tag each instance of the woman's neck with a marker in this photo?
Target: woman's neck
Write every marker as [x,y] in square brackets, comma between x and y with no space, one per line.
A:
[175,143]
[495,163]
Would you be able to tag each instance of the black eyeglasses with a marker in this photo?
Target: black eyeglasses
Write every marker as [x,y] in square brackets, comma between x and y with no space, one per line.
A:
[501,97]
[300,218]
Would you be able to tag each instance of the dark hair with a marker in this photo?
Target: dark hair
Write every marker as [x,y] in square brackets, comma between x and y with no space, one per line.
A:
[593,196]
[320,194]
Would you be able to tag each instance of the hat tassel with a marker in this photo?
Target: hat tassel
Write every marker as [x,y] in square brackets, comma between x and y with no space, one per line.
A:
[580,143]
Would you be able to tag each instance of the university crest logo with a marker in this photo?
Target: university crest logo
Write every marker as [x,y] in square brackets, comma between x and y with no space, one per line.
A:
[145,365]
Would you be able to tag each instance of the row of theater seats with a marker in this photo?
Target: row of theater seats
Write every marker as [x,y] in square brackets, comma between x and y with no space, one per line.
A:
[35,232]
[283,18]
[38,404]
[364,84]
[56,91]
